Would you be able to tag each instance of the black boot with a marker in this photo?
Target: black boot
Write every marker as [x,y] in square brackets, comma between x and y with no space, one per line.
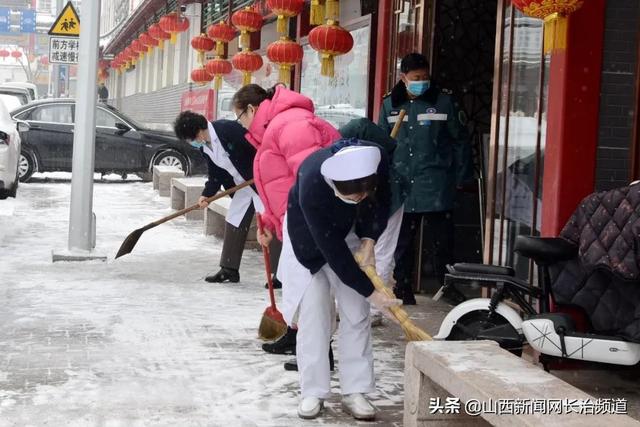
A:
[292,365]
[224,275]
[285,345]
[277,284]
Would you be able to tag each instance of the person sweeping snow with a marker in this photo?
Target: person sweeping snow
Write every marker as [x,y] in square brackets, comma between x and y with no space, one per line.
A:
[338,206]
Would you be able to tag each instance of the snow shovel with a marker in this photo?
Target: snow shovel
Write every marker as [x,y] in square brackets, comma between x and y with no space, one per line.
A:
[131,240]
[272,326]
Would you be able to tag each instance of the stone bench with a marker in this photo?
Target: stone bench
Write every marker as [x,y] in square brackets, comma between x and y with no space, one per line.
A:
[185,192]
[482,371]
[162,176]
[214,220]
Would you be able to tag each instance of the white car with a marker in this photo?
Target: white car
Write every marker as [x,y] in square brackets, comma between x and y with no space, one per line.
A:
[10,145]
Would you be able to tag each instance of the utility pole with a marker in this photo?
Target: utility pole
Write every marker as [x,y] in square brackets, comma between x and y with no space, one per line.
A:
[81,218]
[55,76]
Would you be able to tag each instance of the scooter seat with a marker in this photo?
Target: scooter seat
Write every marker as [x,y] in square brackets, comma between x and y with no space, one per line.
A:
[494,270]
[545,250]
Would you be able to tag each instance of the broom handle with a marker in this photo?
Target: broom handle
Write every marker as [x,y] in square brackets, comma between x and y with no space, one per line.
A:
[197,206]
[396,127]
[267,266]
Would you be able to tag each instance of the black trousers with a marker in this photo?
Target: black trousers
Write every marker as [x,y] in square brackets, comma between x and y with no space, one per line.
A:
[235,238]
[438,241]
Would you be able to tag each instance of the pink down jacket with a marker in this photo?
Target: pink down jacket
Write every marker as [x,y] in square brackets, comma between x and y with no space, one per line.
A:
[284,132]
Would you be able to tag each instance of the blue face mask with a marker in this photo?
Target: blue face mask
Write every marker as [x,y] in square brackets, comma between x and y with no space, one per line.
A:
[196,144]
[417,88]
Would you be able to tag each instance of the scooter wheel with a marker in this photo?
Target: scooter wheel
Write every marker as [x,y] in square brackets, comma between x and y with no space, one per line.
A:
[480,325]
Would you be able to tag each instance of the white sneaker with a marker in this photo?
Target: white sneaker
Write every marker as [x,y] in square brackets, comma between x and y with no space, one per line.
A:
[309,408]
[358,406]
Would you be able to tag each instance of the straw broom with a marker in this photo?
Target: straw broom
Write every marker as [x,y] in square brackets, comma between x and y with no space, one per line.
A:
[272,325]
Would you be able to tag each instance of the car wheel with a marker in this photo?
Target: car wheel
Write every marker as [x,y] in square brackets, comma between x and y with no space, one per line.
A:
[171,158]
[26,166]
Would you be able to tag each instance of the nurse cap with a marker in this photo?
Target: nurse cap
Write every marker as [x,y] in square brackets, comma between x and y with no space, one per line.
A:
[351,163]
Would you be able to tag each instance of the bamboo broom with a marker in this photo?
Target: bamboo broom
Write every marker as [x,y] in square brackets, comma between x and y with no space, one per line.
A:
[411,331]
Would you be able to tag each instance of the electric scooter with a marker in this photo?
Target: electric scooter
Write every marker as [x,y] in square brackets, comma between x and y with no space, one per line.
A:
[510,317]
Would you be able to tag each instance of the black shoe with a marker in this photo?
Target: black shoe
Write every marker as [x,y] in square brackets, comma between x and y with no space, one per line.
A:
[397,291]
[224,275]
[285,345]
[277,284]
[408,299]
[292,365]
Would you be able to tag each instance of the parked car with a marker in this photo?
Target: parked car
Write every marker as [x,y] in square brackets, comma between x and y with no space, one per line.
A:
[9,153]
[122,145]
[30,87]
[14,97]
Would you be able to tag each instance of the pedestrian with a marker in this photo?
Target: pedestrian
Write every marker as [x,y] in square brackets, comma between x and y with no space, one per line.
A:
[431,161]
[339,205]
[229,160]
[284,130]
[103,93]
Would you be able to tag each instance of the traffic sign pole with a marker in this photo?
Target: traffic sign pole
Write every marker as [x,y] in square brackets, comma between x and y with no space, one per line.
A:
[81,219]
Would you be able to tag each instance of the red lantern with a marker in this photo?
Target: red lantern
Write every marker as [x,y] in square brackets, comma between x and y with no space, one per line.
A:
[16,54]
[330,40]
[103,63]
[148,41]
[248,62]
[103,75]
[201,76]
[156,32]
[218,67]
[221,33]
[44,60]
[554,13]
[131,55]
[285,9]
[247,21]
[286,54]
[138,48]
[173,24]
[4,53]
[202,44]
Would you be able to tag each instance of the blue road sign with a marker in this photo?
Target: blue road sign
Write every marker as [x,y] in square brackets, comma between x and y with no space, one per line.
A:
[28,21]
[5,19]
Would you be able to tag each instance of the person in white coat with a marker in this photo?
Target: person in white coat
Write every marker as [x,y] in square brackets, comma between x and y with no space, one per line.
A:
[338,205]
[229,158]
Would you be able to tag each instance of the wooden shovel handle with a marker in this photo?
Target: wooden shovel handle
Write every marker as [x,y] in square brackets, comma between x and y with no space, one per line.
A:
[197,206]
[396,127]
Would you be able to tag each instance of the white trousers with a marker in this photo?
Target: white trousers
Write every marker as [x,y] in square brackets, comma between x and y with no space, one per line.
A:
[355,352]
[385,247]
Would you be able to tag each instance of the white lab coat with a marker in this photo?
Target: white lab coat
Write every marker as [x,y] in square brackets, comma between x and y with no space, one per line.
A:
[242,199]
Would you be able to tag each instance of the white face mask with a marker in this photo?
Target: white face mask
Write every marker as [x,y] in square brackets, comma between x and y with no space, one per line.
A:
[345,200]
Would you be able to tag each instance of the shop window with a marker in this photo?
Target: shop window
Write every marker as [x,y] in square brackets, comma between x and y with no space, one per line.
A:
[518,141]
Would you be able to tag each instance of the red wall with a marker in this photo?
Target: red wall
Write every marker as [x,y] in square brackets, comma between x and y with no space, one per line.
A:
[572,118]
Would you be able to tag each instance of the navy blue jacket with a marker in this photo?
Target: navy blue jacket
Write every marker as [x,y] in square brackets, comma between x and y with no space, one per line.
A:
[241,154]
[318,222]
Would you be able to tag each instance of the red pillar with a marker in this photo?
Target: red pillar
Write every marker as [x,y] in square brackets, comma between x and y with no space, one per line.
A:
[383,41]
[572,118]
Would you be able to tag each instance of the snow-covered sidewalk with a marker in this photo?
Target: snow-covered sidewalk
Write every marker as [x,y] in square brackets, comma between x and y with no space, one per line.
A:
[143,340]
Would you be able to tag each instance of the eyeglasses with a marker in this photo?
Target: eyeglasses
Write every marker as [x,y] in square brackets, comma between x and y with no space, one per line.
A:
[241,114]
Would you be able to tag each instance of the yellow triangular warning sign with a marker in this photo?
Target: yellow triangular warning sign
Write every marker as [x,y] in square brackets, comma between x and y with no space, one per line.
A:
[67,23]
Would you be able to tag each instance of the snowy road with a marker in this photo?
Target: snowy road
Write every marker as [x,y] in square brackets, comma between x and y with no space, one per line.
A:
[142,340]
